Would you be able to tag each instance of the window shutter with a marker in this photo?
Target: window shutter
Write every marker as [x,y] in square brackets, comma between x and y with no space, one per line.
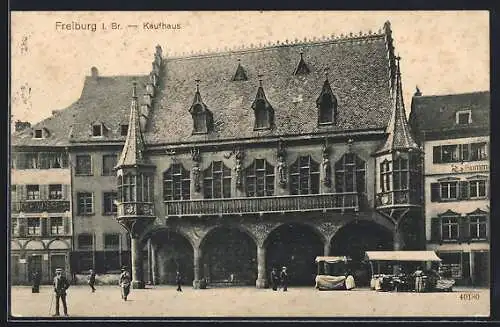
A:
[65,192]
[13,193]
[464,190]
[21,192]
[435,192]
[464,235]
[22,227]
[435,230]
[67,224]
[436,154]
[44,191]
[44,226]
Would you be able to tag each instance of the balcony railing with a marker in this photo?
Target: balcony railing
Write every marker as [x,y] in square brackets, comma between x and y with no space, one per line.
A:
[397,198]
[291,203]
[36,206]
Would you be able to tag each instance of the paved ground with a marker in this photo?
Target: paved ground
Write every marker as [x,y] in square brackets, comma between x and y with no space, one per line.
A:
[164,301]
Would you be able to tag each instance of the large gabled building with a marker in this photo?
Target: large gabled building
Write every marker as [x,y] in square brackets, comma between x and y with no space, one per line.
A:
[454,131]
[232,163]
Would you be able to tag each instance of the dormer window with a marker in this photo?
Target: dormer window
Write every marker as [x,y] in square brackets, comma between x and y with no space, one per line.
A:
[38,134]
[327,105]
[97,130]
[240,74]
[463,117]
[123,129]
[301,68]
[202,117]
[263,111]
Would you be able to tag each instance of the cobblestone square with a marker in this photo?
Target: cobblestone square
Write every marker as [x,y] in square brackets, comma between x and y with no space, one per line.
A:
[164,301]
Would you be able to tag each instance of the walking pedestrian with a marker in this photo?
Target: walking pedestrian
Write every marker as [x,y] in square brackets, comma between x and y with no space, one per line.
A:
[284,279]
[125,283]
[92,279]
[274,279]
[36,282]
[61,284]
[178,281]
[419,279]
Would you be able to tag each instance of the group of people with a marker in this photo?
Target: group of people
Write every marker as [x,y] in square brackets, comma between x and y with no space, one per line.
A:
[279,280]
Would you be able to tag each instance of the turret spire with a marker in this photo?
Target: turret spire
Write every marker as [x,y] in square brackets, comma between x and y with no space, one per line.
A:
[399,137]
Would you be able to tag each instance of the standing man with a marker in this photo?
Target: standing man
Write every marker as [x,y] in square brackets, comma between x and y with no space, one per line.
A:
[284,279]
[178,281]
[61,284]
[125,283]
[274,279]
[419,279]
[92,279]
[36,282]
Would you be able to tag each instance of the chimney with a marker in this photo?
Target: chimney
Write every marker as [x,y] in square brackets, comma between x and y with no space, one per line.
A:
[417,92]
[21,125]
[94,72]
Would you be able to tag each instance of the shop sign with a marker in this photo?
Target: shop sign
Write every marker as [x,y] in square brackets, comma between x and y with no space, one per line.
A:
[468,168]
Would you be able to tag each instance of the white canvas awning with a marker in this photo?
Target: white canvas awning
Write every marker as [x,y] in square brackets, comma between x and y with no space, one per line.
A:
[332,259]
[402,256]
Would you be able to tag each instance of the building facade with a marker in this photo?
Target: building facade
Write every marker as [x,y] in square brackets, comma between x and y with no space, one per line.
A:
[233,163]
[454,131]
[41,211]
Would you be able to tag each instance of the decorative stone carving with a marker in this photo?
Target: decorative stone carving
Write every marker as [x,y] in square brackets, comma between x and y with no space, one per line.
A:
[261,230]
[196,171]
[281,165]
[238,167]
[326,166]
[328,228]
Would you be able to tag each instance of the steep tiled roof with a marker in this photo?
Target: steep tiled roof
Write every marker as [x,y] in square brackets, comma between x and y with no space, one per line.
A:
[359,77]
[133,149]
[438,112]
[399,134]
[104,100]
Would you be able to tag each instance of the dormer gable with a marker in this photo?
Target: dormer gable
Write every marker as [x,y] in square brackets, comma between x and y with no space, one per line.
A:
[302,68]
[202,116]
[326,104]
[40,133]
[263,111]
[240,74]
[98,129]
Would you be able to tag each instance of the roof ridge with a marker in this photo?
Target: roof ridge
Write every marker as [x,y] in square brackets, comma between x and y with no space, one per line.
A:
[331,39]
[452,94]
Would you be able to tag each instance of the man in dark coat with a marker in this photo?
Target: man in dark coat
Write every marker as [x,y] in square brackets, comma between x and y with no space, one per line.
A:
[284,279]
[125,281]
[92,280]
[36,282]
[178,281]
[274,279]
[61,284]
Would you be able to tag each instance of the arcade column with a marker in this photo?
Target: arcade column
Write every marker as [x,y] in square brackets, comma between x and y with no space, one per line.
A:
[261,281]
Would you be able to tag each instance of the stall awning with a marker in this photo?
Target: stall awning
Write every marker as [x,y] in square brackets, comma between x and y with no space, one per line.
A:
[402,256]
[332,259]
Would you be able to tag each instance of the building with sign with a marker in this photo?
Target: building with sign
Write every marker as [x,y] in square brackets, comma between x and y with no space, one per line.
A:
[454,132]
[41,211]
[233,163]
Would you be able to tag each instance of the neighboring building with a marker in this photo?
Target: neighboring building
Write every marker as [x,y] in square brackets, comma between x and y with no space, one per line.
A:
[41,220]
[240,161]
[454,131]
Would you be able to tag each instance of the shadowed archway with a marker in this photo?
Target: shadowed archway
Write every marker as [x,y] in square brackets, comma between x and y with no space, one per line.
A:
[354,239]
[229,257]
[295,246]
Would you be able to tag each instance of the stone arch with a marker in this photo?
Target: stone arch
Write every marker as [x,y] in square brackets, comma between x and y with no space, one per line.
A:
[153,229]
[34,245]
[57,244]
[173,251]
[229,256]
[239,227]
[295,245]
[356,237]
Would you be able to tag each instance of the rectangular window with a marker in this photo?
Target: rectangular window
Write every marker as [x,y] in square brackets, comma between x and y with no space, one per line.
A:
[14,227]
[56,226]
[85,203]
[55,192]
[97,130]
[111,241]
[449,153]
[109,161]
[449,190]
[477,227]
[34,226]
[477,189]
[478,151]
[124,129]
[83,165]
[33,192]
[463,118]
[38,134]
[109,203]
[449,229]
[85,242]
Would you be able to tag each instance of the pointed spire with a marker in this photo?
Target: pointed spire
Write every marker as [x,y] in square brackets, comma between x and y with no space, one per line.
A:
[197,97]
[261,95]
[327,89]
[399,134]
[133,150]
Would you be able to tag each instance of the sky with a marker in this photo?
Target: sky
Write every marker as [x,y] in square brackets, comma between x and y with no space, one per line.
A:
[443,52]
